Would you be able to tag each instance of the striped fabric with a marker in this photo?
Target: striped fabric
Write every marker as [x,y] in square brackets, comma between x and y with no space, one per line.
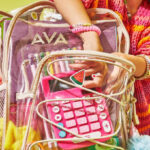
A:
[139,31]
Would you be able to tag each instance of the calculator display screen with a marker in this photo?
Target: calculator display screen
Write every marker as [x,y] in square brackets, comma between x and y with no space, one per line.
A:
[56,85]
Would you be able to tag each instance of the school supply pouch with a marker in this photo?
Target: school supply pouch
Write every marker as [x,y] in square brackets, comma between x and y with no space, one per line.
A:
[31,35]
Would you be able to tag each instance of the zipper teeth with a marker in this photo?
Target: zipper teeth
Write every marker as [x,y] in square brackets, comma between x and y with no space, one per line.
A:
[62,24]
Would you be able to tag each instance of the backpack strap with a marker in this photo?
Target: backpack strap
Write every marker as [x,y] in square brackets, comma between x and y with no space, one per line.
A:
[10,29]
[5,14]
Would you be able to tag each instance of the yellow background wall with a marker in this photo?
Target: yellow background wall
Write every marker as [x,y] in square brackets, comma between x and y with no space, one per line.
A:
[8,5]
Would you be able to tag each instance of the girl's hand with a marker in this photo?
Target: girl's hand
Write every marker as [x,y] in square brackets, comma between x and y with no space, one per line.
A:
[117,74]
[115,80]
[96,70]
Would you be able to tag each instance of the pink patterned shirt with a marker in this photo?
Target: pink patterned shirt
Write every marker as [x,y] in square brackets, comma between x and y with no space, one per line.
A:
[139,31]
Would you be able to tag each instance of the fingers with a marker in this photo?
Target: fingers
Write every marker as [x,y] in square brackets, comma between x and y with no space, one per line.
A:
[113,75]
[98,78]
[115,80]
[82,65]
[91,67]
[90,71]
[96,82]
[113,87]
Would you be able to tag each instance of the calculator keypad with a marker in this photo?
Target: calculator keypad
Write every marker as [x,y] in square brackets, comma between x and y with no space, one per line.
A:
[85,117]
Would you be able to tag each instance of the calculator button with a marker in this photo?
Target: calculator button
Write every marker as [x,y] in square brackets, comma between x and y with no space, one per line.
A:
[62,134]
[82,120]
[93,135]
[54,103]
[70,123]
[100,107]
[75,130]
[88,102]
[55,109]
[68,115]
[79,112]
[103,115]
[77,104]
[58,117]
[95,126]
[60,124]
[98,101]
[106,126]
[84,129]
[66,107]
[92,118]
[90,110]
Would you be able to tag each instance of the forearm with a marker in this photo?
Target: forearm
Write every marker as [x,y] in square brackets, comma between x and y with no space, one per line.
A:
[74,12]
[139,63]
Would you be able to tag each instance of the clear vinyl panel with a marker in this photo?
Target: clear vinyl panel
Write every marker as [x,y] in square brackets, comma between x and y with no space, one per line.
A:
[2,106]
[67,115]
[39,33]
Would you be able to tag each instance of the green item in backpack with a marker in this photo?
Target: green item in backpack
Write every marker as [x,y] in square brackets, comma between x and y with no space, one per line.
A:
[113,141]
[88,148]
[92,147]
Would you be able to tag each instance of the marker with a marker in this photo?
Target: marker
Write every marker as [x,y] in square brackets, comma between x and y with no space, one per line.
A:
[74,48]
[44,68]
[51,66]
[56,67]
[67,66]
[44,112]
[33,68]
[71,61]
[62,66]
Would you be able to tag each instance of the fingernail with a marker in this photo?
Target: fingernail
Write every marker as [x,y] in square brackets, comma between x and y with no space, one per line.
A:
[95,75]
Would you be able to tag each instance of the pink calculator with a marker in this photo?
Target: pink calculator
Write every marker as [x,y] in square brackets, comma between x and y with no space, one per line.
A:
[84,117]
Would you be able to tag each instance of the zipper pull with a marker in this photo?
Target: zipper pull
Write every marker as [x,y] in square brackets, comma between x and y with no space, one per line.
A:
[135,116]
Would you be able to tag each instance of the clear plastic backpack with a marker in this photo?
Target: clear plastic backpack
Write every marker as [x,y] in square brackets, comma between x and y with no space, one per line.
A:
[3,16]
[44,105]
